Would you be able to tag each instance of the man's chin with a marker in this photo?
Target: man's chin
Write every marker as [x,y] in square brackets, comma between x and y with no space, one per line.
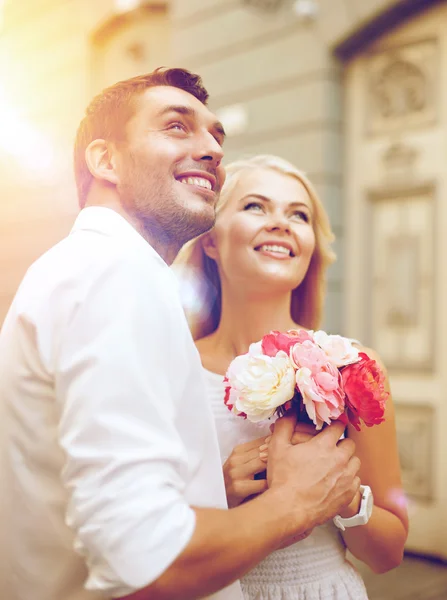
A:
[202,221]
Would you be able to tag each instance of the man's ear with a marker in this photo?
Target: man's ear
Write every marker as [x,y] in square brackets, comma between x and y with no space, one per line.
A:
[101,161]
[209,246]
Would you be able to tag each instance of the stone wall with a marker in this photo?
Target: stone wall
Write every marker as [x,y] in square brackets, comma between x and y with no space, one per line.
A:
[281,69]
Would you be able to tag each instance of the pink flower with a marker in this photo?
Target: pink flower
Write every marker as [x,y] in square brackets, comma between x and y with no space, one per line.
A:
[364,384]
[340,350]
[319,383]
[275,341]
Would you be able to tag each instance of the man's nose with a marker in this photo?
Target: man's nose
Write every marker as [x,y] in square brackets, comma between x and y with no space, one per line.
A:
[210,150]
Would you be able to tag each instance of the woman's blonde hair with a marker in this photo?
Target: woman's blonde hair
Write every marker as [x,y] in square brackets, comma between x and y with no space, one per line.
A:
[307,298]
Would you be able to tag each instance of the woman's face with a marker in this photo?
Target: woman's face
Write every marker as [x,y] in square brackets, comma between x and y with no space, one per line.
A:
[264,233]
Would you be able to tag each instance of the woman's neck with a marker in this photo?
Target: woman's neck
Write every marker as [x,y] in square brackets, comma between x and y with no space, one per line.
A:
[245,319]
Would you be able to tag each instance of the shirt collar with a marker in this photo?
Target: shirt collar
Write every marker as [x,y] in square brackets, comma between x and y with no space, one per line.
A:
[108,222]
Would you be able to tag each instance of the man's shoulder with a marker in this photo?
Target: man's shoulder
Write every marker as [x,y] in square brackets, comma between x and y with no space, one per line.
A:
[89,251]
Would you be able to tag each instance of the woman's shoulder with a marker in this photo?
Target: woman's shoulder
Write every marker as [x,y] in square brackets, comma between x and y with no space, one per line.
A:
[370,352]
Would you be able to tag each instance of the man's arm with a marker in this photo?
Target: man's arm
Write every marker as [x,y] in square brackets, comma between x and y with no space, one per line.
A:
[227,544]
[126,466]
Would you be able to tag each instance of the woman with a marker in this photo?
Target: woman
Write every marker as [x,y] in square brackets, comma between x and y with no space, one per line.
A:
[263,268]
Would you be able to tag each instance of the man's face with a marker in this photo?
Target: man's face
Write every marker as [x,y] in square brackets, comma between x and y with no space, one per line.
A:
[169,167]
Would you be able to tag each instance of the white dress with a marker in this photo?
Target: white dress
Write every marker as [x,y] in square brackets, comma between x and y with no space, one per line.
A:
[315,568]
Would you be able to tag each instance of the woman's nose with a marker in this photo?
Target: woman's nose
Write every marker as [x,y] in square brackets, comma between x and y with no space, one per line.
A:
[278,222]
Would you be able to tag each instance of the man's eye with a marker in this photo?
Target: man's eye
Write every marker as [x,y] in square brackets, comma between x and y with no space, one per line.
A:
[219,140]
[177,126]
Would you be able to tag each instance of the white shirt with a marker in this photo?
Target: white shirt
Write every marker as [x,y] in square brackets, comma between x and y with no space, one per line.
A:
[106,435]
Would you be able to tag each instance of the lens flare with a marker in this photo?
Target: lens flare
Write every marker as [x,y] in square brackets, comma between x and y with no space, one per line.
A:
[30,148]
[196,292]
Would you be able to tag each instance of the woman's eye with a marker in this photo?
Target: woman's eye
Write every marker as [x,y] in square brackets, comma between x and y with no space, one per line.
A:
[256,206]
[301,215]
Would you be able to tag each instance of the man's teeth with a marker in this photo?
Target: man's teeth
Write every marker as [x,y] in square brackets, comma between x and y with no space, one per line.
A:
[274,248]
[200,181]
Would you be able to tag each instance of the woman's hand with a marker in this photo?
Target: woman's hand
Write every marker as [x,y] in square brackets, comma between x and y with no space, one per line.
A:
[249,459]
[240,468]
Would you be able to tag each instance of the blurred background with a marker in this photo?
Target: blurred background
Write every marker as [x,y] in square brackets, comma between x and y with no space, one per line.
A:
[354,92]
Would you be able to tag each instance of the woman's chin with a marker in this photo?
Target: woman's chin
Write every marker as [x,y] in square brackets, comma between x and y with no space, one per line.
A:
[277,282]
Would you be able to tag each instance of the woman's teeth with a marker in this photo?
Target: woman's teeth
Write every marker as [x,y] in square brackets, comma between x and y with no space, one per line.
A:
[274,248]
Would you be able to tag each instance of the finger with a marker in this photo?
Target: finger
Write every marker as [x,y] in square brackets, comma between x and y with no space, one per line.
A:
[354,465]
[352,491]
[261,452]
[284,428]
[306,428]
[300,438]
[303,433]
[331,435]
[347,446]
[249,469]
[242,448]
[255,486]
[233,473]
[237,459]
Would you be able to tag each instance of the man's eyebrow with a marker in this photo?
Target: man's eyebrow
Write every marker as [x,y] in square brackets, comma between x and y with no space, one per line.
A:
[178,108]
[190,112]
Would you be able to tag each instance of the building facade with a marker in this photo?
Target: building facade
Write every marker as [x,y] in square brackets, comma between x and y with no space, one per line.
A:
[352,92]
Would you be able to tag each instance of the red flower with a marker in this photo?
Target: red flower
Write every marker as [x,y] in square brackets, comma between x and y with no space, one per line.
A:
[275,341]
[227,395]
[363,383]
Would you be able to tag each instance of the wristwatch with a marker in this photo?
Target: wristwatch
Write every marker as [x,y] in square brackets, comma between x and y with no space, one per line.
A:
[365,510]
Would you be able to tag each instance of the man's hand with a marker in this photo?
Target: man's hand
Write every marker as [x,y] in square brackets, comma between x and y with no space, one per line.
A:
[303,432]
[317,475]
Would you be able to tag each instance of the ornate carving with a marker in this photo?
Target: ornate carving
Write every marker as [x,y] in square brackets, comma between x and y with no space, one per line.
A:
[400,90]
[400,156]
[402,87]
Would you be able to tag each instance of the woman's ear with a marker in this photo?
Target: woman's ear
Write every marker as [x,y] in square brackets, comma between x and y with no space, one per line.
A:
[209,245]
[101,161]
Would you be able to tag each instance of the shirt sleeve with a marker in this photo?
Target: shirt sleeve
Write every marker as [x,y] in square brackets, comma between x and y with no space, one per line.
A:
[126,466]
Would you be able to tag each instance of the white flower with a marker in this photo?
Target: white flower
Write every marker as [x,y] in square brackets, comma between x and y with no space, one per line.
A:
[260,383]
[339,350]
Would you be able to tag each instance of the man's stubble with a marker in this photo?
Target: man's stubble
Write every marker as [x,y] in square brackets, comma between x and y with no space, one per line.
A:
[165,218]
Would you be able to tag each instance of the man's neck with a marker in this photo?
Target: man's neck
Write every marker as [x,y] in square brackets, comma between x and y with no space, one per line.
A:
[167,251]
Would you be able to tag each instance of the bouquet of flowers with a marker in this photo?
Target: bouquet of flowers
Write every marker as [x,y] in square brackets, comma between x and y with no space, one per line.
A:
[324,376]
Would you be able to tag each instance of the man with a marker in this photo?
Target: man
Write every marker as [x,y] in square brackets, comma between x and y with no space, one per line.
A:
[111,478]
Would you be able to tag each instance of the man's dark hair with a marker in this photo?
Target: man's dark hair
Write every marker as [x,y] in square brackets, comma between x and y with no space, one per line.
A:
[108,113]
